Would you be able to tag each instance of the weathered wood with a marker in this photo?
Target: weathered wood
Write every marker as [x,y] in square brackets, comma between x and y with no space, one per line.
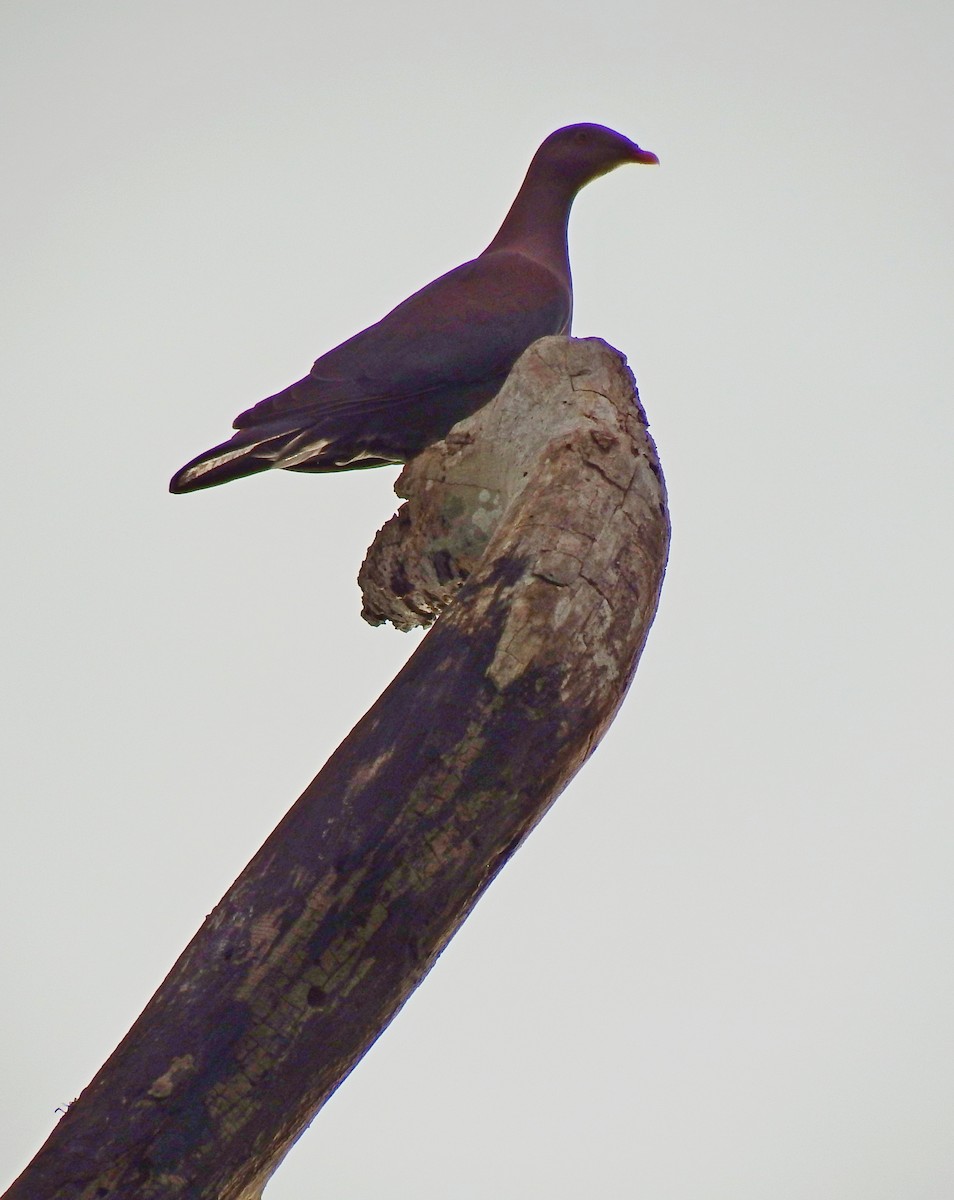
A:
[550,504]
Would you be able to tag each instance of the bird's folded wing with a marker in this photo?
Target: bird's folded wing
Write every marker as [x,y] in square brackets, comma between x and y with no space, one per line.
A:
[468,326]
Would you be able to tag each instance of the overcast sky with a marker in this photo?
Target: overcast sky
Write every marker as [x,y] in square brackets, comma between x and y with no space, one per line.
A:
[721,968]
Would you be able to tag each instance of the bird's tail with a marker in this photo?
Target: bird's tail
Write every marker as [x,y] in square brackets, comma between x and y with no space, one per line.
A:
[246,453]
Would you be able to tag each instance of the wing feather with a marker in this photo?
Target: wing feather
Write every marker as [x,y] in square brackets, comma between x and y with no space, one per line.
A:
[465,329]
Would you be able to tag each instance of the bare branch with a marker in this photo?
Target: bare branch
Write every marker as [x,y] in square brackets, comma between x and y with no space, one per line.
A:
[544,518]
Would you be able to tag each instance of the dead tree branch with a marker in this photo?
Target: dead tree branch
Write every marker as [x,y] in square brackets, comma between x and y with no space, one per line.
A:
[544,518]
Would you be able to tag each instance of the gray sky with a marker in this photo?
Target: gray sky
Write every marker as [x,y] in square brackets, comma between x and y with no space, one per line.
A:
[722,966]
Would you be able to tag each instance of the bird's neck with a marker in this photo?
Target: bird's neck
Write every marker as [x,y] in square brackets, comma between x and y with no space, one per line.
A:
[537,222]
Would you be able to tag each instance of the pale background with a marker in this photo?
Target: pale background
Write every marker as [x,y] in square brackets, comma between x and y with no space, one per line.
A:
[722,967]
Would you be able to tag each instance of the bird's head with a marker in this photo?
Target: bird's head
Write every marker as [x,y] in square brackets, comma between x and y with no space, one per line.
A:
[579,153]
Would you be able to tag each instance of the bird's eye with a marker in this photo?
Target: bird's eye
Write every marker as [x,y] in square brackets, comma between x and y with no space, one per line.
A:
[582,135]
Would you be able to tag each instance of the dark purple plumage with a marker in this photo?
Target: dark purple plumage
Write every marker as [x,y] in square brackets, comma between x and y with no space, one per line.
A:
[398,386]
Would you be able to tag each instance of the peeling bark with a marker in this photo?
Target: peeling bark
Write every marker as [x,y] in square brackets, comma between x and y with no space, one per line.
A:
[543,518]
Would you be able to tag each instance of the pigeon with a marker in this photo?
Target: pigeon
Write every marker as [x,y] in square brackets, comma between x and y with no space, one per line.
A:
[401,384]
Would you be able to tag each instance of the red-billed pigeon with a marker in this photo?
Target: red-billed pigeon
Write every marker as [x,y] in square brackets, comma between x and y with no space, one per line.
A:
[398,386]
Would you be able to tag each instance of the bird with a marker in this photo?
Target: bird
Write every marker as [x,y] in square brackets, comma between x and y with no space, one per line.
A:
[400,385]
